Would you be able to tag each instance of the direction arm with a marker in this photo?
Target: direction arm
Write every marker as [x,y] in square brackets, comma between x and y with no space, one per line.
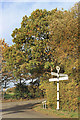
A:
[60,78]
[55,74]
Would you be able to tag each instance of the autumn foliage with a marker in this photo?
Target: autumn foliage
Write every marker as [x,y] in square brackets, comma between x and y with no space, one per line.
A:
[44,40]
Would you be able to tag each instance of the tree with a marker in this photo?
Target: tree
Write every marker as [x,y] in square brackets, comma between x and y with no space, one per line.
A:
[32,39]
[3,72]
[44,40]
[64,39]
[14,61]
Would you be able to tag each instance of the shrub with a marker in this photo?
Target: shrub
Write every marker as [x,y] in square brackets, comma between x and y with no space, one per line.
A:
[21,90]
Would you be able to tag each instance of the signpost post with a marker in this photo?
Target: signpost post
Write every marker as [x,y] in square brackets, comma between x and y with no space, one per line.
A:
[44,104]
[58,68]
[57,79]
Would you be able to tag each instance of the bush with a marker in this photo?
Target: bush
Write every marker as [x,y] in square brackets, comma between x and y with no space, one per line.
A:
[9,96]
[21,91]
[68,95]
[34,92]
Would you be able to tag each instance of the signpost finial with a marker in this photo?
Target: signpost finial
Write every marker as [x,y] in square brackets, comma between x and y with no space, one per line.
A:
[57,68]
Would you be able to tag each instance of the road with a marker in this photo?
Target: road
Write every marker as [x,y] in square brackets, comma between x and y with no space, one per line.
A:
[22,109]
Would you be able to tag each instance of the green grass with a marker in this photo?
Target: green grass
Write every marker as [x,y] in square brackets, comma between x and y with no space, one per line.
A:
[56,113]
[11,93]
[9,96]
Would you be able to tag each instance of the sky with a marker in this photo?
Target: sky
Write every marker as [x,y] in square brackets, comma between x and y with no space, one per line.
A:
[12,12]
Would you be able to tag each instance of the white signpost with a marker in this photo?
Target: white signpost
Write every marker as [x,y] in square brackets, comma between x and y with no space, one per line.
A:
[65,77]
[44,104]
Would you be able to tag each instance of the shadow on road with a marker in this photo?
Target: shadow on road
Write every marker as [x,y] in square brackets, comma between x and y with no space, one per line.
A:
[19,108]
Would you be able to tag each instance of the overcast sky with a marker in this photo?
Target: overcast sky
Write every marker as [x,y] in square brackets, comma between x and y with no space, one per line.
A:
[11,13]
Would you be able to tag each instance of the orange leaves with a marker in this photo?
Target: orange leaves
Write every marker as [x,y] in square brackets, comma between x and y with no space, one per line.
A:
[40,13]
[71,47]
[38,28]
[44,51]
[2,41]
[76,35]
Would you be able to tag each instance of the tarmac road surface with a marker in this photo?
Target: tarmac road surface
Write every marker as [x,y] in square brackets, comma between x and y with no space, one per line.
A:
[22,109]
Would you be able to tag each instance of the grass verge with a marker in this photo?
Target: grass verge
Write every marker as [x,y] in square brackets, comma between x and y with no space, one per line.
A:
[56,113]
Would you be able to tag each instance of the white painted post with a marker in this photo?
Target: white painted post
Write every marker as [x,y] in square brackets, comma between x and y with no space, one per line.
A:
[58,68]
[58,93]
[64,77]
[43,105]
